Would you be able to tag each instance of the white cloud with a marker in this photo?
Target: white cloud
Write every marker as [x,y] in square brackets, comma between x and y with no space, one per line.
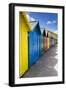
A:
[30,18]
[51,22]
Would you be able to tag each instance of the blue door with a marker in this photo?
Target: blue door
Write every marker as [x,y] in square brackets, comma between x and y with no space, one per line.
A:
[30,49]
[33,48]
[36,47]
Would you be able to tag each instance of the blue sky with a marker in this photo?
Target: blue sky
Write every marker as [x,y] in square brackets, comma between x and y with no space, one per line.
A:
[46,20]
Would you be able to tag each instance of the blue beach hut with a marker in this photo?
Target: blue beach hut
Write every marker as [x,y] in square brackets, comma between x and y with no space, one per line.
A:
[33,43]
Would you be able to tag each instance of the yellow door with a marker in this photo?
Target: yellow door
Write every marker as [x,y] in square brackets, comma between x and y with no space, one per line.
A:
[23,46]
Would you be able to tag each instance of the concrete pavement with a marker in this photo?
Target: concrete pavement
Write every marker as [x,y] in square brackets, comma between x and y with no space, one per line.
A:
[45,66]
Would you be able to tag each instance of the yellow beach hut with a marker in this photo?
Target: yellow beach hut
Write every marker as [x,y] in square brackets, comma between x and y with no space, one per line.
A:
[48,39]
[24,27]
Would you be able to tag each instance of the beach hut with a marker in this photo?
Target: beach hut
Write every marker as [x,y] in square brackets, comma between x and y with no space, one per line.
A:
[24,27]
[51,39]
[48,39]
[45,34]
[41,43]
[33,42]
[55,38]
[44,40]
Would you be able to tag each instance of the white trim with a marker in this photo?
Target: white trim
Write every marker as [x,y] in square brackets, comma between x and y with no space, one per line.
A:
[41,79]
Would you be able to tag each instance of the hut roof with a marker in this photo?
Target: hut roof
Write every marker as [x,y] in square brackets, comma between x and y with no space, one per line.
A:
[53,35]
[49,33]
[44,32]
[42,29]
[33,25]
[26,20]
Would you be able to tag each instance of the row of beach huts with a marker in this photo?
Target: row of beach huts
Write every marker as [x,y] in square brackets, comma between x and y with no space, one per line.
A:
[32,42]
